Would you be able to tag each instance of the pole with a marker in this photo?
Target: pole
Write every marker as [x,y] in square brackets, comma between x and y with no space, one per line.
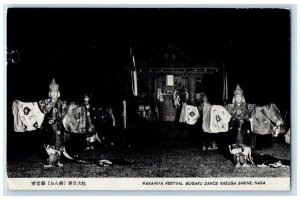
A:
[124,114]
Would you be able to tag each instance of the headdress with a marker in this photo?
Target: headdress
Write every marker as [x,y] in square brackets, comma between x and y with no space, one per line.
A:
[238,90]
[53,86]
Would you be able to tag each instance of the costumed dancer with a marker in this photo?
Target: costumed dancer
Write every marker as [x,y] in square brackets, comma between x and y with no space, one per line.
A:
[54,109]
[87,118]
[242,139]
[208,142]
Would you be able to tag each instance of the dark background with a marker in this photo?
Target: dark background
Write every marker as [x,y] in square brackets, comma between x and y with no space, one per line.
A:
[87,50]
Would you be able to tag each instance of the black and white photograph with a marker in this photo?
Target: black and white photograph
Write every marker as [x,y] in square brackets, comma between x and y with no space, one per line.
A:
[169,98]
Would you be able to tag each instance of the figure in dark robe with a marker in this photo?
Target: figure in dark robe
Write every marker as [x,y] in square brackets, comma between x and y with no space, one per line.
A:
[54,109]
[242,139]
[87,122]
[243,133]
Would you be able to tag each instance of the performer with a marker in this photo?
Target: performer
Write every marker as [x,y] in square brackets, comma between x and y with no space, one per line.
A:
[242,139]
[58,120]
[54,109]
[208,142]
[87,118]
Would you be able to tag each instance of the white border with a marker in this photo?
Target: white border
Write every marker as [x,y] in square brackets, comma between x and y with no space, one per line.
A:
[164,184]
[161,3]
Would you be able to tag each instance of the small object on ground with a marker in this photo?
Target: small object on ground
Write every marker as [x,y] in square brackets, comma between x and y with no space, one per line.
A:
[276,165]
[104,163]
[245,165]
[48,166]
[262,165]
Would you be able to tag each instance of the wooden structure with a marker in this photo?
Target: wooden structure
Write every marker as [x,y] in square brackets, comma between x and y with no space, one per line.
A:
[151,80]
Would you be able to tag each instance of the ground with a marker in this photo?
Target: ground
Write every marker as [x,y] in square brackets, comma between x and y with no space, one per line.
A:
[159,160]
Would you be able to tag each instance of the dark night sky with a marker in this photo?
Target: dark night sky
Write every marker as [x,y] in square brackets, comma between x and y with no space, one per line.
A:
[83,47]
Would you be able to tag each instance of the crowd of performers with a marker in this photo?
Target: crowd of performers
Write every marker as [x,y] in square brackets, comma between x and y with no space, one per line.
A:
[242,121]
[59,120]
